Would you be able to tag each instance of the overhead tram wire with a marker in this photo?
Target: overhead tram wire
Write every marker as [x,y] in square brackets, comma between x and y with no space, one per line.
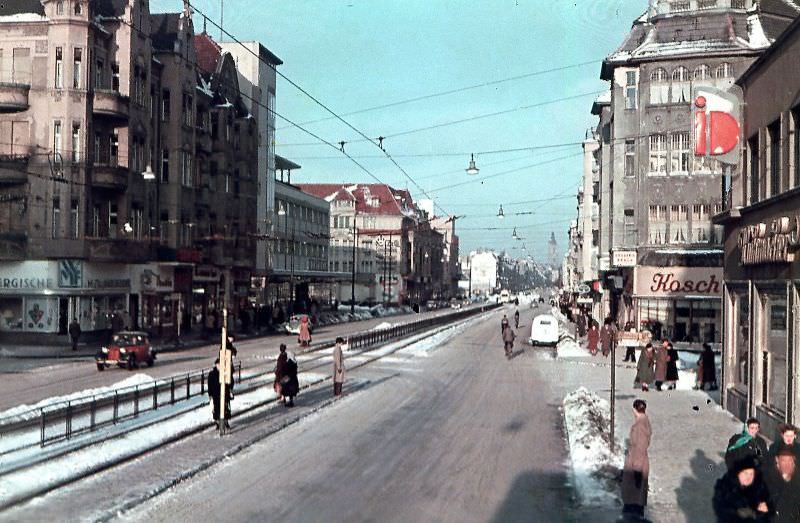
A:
[458,90]
[318,102]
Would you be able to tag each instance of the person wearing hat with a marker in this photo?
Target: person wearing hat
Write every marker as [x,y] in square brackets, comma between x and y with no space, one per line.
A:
[636,471]
[741,495]
[783,483]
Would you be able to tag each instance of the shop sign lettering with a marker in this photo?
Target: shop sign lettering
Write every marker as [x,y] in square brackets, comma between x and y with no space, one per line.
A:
[775,241]
[654,282]
[108,284]
[26,283]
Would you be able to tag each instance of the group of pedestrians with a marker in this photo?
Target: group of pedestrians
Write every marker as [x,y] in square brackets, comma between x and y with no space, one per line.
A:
[657,366]
[285,383]
[761,484]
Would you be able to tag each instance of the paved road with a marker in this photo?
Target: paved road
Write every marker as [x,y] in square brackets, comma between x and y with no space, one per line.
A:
[25,383]
[462,435]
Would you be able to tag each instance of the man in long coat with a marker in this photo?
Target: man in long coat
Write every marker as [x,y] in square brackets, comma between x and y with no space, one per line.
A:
[338,367]
[608,336]
[662,358]
[637,463]
[280,372]
[74,332]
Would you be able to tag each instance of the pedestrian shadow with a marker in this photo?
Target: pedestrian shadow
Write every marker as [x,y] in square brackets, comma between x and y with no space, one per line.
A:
[695,491]
[541,496]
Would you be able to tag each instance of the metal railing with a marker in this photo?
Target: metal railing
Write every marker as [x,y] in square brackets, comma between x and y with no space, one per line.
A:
[65,420]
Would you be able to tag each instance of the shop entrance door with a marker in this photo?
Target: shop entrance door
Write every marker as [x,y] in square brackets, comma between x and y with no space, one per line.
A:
[63,315]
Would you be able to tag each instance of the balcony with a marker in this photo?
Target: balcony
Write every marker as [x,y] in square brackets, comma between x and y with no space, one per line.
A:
[13,169]
[13,97]
[119,250]
[111,104]
[110,176]
[13,245]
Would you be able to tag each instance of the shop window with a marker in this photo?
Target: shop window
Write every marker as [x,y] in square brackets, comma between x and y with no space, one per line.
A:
[11,318]
[742,339]
[774,324]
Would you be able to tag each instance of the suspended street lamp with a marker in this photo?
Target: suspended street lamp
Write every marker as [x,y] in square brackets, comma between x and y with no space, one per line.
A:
[148,175]
[500,213]
[514,234]
[472,170]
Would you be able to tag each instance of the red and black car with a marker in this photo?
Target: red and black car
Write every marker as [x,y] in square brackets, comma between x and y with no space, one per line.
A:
[128,349]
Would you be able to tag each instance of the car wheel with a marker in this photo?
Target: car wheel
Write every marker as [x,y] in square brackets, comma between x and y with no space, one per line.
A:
[101,367]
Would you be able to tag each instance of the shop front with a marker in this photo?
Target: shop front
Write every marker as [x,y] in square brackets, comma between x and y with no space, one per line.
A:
[681,304]
[155,286]
[762,311]
[39,299]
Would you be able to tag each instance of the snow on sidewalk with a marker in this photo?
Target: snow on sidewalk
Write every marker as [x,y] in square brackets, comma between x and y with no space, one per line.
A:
[594,466]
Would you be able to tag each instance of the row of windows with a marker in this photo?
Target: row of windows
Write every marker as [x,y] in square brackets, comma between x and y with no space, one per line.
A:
[772,163]
[300,212]
[671,224]
[679,90]
[669,154]
[701,72]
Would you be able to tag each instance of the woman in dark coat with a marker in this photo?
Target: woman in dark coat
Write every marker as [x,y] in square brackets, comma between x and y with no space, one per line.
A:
[645,374]
[290,386]
[709,364]
[280,372]
[741,495]
[672,367]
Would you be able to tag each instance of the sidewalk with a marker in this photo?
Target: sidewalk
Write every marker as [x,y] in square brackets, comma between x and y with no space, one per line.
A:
[690,432]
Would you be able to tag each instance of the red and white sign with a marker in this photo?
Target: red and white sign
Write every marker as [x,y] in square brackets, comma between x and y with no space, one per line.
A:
[677,282]
[717,130]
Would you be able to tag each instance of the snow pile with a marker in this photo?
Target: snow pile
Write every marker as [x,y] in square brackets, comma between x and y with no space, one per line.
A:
[687,369]
[25,412]
[595,469]
[568,348]
[382,326]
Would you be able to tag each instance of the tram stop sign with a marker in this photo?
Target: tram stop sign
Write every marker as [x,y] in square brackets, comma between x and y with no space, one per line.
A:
[717,117]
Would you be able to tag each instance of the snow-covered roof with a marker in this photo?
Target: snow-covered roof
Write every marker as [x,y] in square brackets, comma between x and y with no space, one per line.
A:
[23,18]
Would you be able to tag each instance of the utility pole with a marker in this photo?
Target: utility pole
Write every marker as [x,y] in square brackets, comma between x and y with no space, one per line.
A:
[391,259]
[353,277]
[225,371]
[613,389]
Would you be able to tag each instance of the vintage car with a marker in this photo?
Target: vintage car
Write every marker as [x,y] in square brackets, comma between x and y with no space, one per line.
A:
[127,349]
[293,325]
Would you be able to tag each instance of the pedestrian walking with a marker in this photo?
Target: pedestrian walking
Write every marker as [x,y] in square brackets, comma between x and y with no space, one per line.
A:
[304,335]
[636,471]
[74,331]
[290,386]
[608,336]
[672,367]
[581,325]
[593,338]
[787,438]
[508,340]
[645,373]
[746,445]
[661,364]
[516,319]
[280,372]
[338,367]
[503,324]
[707,368]
[783,484]
[214,392]
[741,495]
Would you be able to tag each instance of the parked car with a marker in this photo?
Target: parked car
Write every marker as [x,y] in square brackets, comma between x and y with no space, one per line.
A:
[127,349]
[455,303]
[293,325]
[544,330]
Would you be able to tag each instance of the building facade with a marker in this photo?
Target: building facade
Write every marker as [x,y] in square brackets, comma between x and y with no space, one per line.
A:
[762,270]
[663,269]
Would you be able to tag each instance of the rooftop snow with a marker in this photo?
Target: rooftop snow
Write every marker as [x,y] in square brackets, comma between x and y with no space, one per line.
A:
[23,17]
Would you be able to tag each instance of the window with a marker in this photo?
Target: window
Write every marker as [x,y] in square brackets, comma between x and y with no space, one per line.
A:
[60,8]
[96,211]
[186,169]
[98,140]
[165,105]
[99,74]
[630,90]
[701,223]
[753,159]
[658,154]
[774,132]
[630,158]
[679,223]
[56,230]
[659,86]
[227,182]
[78,8]
[774,355]
[629,224]
[679,6]
[702,73]
[723,70]
[113,148]
[657,224]
[165,166]
[57,137]
[59,80]
[681,88]
[680,153]
[137,222]
[115,76]
[21,65]
[74,219]
[76,142]
[76,67]
[112,219]
[188,112]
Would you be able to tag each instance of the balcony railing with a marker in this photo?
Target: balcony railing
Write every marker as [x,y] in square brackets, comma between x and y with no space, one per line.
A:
[685,6]
[14,97]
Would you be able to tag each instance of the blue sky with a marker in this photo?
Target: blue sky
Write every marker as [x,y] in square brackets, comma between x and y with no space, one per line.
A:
[357,54]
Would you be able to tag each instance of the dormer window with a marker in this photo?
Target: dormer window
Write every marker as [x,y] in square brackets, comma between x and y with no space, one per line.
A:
[78,8]
[374,202]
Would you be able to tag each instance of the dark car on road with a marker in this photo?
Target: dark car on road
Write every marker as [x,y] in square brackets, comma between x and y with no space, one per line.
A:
[128,349]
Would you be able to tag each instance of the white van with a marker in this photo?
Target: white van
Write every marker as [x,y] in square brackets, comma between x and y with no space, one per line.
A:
[544,330]
[504,296]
